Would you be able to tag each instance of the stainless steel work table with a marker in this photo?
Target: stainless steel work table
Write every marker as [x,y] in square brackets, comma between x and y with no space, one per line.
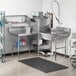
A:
[18,38]
[57,37]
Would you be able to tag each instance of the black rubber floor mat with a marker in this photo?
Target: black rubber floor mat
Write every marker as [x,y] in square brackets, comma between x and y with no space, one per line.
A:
[43,65]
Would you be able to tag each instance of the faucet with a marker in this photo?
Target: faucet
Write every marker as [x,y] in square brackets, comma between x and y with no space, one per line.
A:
[57,18]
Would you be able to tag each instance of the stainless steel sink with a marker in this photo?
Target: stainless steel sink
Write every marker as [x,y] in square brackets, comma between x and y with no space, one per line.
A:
[61,33]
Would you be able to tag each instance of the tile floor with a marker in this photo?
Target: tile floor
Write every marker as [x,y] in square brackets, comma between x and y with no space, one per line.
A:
[14,68]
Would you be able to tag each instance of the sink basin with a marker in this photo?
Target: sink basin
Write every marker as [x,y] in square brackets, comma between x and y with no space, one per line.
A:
[61,33]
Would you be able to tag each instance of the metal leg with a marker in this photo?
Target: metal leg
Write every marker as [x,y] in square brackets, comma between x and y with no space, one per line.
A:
[4,43]
[29,51]
[3,60]
[12,46]
[67,45]
[55,50]
[50,46]
[38,45]
[1,54]
[18,47]
[70,51]
[28,46]
[65,48]
[38,50]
